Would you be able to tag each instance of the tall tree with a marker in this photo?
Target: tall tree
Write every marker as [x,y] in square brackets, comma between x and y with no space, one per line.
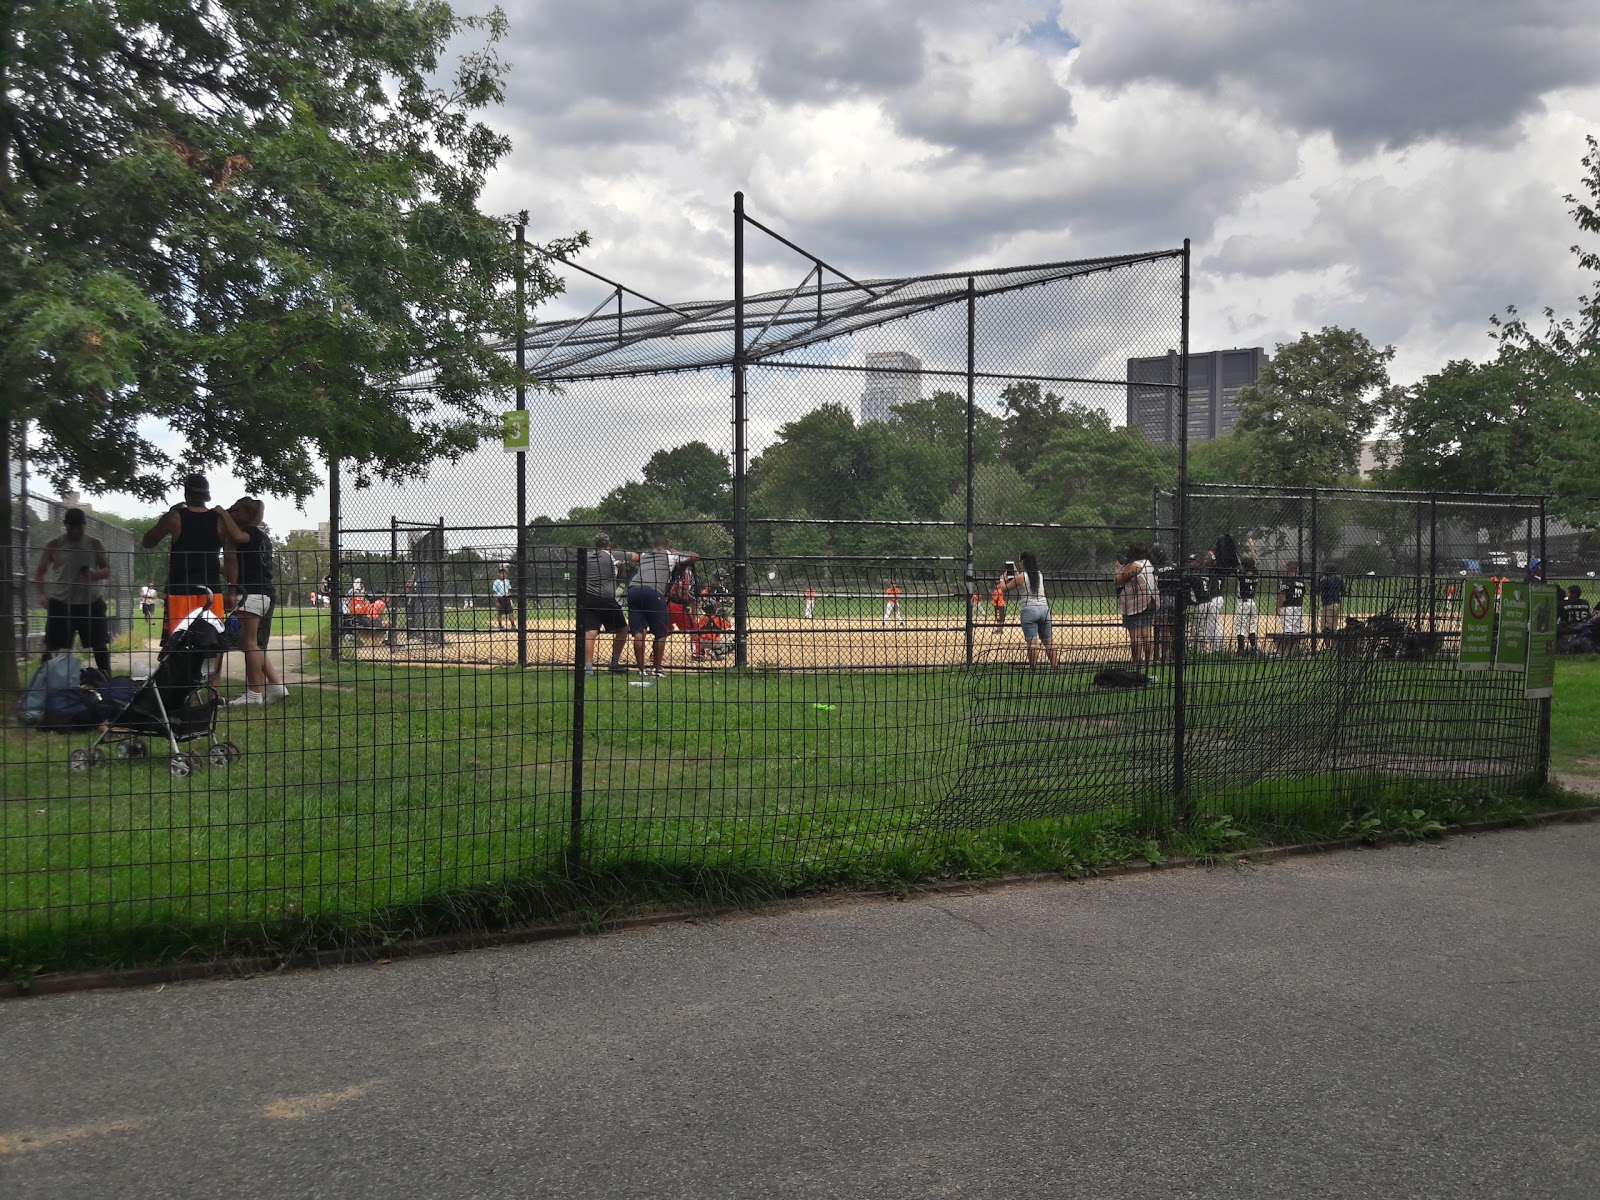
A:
[695,475]
[1471,428]
[245,222]
[1031,415]
[1315,403]
[248,221]
[1563,363]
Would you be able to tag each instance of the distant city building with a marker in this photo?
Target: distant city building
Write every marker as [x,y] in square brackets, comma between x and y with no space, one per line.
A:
[894,378]
[1215,379]
[324,534]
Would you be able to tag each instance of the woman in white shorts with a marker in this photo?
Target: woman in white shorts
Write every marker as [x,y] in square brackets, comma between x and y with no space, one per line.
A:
[1035,619]
[250,566]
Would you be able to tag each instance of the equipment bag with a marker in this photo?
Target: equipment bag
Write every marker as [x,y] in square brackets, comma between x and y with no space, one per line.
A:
[59,673]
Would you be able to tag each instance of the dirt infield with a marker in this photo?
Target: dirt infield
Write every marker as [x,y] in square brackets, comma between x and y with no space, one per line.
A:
[817,645]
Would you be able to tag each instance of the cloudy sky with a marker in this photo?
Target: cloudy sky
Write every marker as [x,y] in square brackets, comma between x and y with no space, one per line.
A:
[1397,166]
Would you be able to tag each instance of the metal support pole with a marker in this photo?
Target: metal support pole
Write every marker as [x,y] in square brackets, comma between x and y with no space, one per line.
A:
[1313,592]
[522,456]
[972,422]
[579,690]
[1545,704]
[1433,563]
[1180,631]
[741,531]
[1416,559]
[392,638]
[334,589]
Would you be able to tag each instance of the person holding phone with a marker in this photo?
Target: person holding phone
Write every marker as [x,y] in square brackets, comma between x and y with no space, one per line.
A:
[1037,629]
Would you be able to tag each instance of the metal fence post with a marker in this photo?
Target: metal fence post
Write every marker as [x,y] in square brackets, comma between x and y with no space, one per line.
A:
[522,455]
[579,691]
[334,518]
[741,522]
[972,419]
[1313,592]
[1546,703]
[1433,563]
[1180,636]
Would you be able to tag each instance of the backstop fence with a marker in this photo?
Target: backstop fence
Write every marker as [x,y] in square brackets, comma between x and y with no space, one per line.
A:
[855,464]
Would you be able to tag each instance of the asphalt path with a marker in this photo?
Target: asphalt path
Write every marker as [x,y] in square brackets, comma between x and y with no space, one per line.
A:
[1411,1021]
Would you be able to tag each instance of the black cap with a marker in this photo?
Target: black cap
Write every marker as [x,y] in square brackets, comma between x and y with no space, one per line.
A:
[74,516]
[197,487]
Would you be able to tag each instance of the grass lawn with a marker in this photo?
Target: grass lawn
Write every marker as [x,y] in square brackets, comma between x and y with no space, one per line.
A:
[388,800]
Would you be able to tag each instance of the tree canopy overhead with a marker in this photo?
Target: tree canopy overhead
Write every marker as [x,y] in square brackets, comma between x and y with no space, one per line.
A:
[246,220]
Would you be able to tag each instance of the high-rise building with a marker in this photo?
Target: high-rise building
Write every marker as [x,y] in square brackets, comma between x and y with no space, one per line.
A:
[894,377]
[1215,378]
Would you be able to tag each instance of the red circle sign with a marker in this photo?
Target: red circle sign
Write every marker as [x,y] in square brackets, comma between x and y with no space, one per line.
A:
[1478,602]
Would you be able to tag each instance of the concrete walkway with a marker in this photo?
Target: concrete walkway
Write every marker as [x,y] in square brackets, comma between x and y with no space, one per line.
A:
[285,652]
[1413,1021]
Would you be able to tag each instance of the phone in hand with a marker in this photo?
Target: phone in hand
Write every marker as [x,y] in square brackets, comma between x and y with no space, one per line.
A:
[1011,567]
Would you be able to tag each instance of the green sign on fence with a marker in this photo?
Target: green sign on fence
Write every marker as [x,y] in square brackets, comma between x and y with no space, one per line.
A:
[1477,627]
[1542,608]
[514,429]
[1511,646]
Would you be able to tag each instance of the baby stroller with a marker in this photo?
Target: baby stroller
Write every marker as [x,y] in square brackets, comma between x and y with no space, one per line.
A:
[175,703]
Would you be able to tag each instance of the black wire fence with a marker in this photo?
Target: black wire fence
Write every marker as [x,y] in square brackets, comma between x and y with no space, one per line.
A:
[450,747]
[859,467]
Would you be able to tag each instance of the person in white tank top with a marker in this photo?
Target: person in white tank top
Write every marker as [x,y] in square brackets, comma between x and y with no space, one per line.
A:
[1035,620]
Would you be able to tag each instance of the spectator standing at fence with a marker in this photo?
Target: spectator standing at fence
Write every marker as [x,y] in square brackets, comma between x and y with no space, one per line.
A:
[1292,606]
[1244,608]
[251,564]
[194,562]
[71,569]
[647,601]
[1138,602]
[811,603]
[891,604]
[1330,594]
[597,606]
[147,601]
[1035,616]
[500,589]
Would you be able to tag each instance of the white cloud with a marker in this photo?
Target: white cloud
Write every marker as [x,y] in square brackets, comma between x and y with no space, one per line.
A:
[1398,168]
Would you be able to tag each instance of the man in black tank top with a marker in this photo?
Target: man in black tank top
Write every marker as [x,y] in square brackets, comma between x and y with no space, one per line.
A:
[194,565]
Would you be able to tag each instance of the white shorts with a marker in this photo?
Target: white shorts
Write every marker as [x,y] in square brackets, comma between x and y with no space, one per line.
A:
[1294,619]
[256,604]
[1244,618]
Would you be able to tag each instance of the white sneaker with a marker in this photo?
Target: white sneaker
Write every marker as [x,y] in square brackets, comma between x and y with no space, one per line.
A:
[276,692]
[247,700]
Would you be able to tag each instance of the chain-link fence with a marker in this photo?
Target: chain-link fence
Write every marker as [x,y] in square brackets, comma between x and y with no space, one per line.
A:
[898,494]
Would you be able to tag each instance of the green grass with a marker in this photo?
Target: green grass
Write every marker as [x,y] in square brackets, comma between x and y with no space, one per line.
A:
[392,802]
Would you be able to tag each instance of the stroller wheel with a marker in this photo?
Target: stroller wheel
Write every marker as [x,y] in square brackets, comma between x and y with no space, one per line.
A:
[131,749]
[219,755]
[181,766]
[234,753]
[81,759]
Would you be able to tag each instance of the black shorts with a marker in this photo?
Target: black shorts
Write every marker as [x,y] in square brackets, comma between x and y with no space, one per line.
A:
[87,622]
[502,605]
[597,614]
